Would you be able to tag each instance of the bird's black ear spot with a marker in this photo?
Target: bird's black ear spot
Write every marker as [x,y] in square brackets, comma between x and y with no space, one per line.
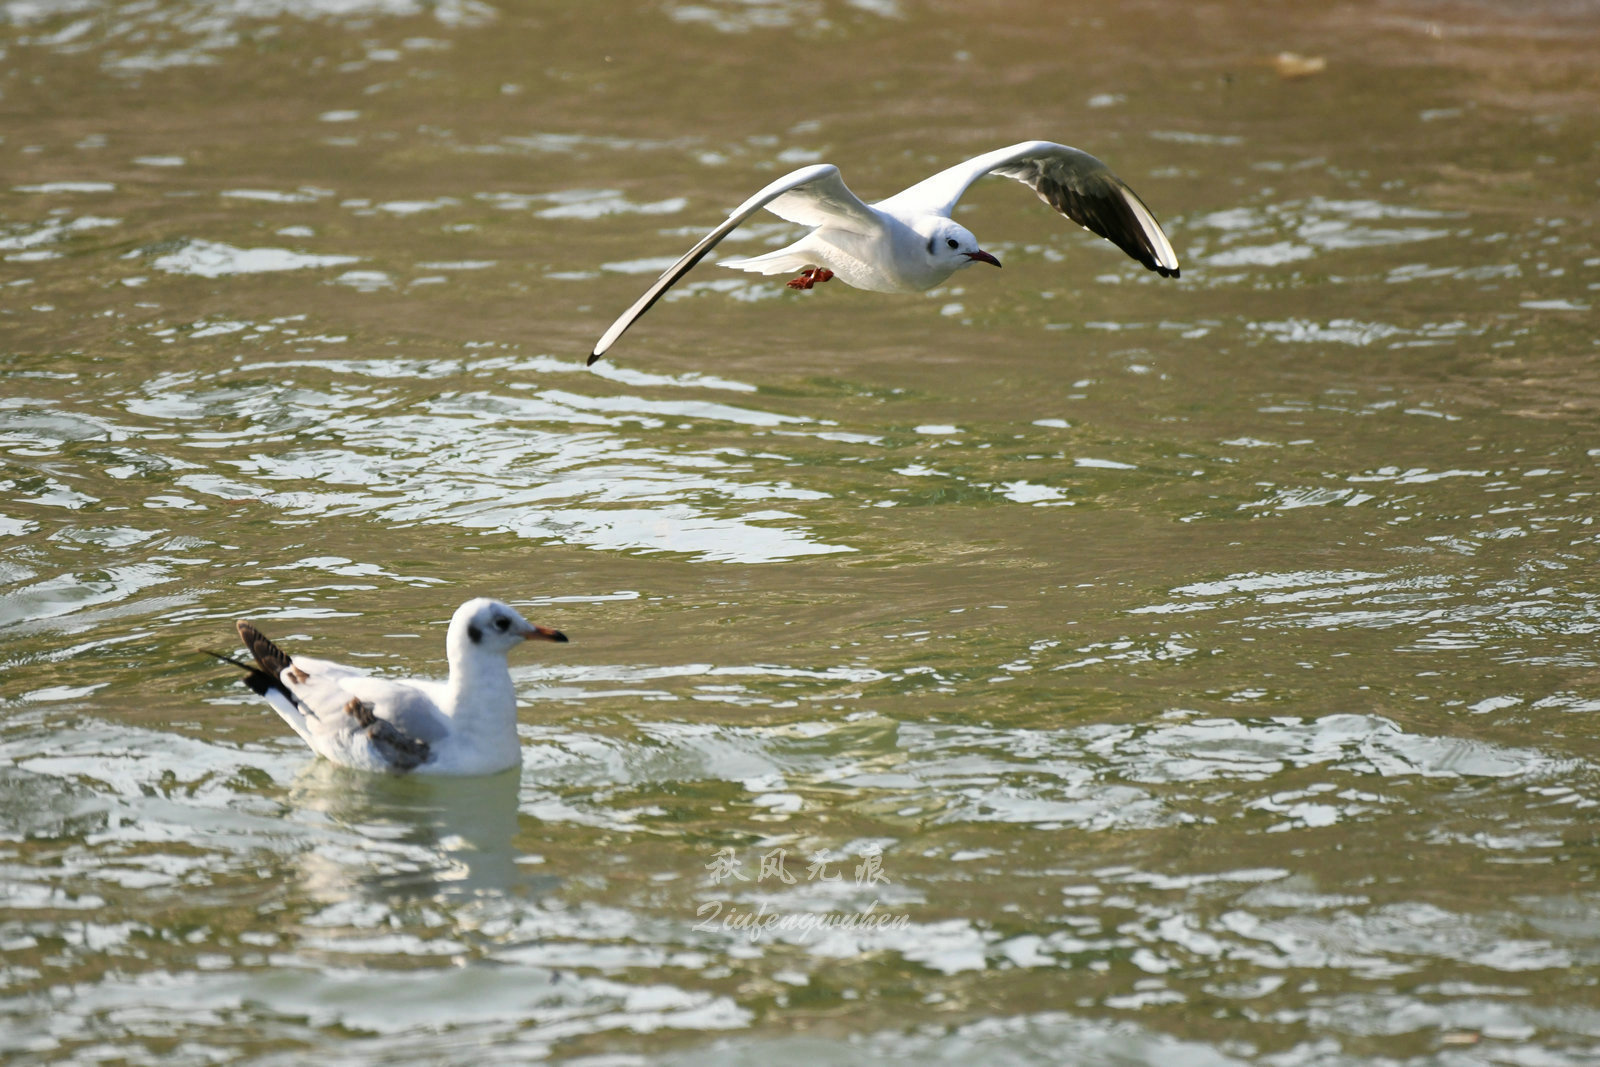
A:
[474,634]
[931,240]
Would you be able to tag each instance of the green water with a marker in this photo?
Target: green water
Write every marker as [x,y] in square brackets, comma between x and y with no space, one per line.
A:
[1189,672]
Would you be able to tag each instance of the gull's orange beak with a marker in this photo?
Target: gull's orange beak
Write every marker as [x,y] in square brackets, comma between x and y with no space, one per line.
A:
[543,633]
[980,256]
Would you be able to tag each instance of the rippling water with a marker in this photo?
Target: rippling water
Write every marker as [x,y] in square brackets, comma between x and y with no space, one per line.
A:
[1066,666]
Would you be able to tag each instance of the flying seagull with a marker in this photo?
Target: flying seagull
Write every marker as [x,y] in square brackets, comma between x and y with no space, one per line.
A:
[908,243]
[466,725]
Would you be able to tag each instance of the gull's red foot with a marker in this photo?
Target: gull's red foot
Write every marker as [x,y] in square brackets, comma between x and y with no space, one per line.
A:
[809,277]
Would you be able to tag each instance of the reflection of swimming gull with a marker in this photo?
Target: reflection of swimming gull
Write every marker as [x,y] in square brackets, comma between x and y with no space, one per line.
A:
[909,243]
[466,725]
[395,836]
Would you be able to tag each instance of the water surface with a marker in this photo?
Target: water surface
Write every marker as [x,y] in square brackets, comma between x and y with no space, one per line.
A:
[1122,670]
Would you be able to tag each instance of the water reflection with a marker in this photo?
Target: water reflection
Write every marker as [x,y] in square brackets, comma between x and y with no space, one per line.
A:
[399,837]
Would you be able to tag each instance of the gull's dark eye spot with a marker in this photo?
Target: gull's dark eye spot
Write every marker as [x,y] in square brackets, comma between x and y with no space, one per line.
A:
[501,623]
[952,242]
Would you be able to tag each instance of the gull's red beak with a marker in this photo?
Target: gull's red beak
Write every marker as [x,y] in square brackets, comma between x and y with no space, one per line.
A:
[543,633]
[980,256]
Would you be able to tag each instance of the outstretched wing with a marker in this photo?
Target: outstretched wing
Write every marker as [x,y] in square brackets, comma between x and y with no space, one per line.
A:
[812,196]
[1073,182]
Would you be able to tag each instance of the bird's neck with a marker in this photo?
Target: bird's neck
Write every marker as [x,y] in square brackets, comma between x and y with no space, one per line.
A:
[482,698]
[920,269]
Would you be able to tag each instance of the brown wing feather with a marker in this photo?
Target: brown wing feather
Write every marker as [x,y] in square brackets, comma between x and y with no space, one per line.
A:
[403,751]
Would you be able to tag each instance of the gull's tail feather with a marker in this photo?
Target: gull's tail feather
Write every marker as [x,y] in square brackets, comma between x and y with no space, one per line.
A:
[259,681]
[265,678]
[783,261]
[272,659]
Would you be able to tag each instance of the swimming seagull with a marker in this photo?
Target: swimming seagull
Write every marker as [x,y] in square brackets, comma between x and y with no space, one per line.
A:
[908,243]
[466,725]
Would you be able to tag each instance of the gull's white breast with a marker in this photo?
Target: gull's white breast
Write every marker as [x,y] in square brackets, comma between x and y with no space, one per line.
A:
[893,260]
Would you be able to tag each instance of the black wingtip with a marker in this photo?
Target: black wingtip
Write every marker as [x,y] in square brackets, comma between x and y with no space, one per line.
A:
[1155,267]
[259,681]
[594,357]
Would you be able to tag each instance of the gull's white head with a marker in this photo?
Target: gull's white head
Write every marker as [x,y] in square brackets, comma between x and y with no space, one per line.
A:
[484,626]
[952,247]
